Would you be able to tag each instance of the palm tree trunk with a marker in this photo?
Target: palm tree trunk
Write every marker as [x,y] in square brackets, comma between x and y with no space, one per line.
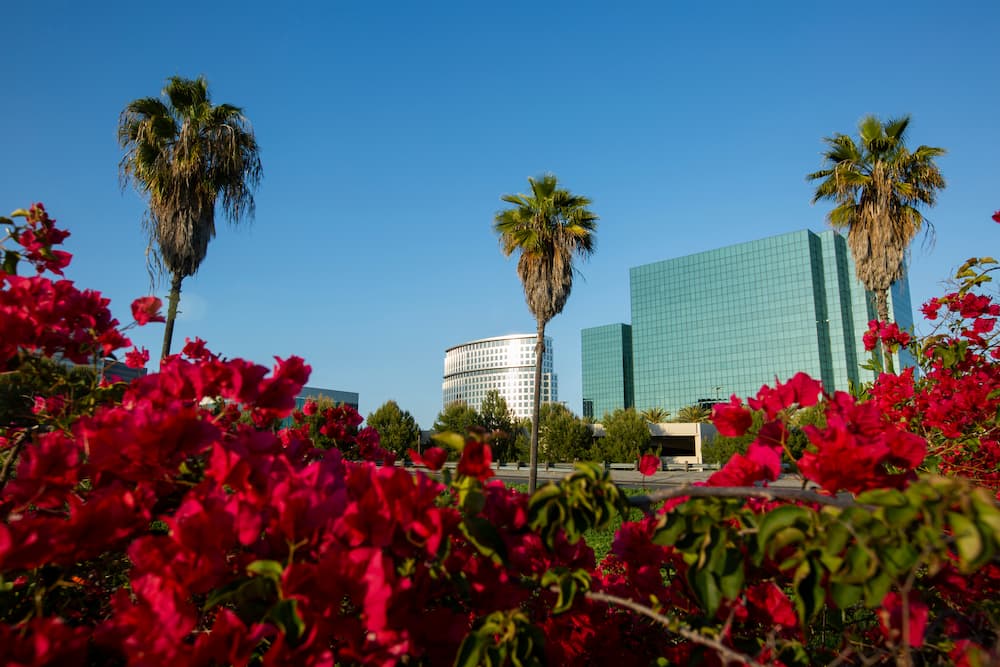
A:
[882,309]
[172,300]
[882,304]
[536,409]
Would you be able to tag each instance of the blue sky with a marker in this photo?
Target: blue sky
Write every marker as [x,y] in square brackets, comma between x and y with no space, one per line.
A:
[390,130]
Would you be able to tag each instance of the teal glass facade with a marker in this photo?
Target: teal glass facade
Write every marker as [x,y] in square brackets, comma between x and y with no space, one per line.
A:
[729,320]
[607,369]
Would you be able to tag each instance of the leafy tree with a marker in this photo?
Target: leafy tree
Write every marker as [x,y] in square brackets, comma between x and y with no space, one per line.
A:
[721,448]
[626,434]
[456,417]
[693,414]
[655,415]
[878,185]
[397,429]
[548,227]
[498,420]
[184,155]
[562,435]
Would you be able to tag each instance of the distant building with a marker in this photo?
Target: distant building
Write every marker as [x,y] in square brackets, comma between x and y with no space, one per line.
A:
[607,358]
[727,321]
[503,363]
[118,371]
[346,397]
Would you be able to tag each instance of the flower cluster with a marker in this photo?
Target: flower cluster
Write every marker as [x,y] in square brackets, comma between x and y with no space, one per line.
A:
[887,332]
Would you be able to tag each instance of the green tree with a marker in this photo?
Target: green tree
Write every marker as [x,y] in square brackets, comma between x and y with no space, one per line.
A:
[693,414]
[397,429]
[655,415]
[548,227]
[456,417]
[498,420]
[878,186]
[185,155]
[626,435]
[562,435]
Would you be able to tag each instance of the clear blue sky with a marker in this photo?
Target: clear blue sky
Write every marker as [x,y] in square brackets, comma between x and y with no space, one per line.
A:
[390,130]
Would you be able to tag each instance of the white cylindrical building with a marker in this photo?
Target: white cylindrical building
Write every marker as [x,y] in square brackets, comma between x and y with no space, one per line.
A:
[504,363]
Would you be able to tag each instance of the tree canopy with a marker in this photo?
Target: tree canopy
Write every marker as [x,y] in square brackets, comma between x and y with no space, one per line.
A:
[878,187]
[398,430]
[626,435]
[562,435]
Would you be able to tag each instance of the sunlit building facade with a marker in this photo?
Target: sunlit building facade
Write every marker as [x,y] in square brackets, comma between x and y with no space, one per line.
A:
[726,321]
[607,359]
[503,363]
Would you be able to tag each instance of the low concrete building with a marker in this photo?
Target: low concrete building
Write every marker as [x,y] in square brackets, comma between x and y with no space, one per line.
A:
[675,442]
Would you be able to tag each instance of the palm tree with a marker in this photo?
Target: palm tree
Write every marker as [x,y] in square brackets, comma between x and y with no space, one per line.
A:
[878,185]
[655,415]
[548,227]
[185,154]
[693,414]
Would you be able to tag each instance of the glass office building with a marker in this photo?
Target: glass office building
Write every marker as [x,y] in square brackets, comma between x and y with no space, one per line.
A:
[727,321]
[607,360]
[350,398]
[503,363]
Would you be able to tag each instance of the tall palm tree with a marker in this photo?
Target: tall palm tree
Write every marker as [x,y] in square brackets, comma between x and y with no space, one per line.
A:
[185,155]
[878,185]
[548,227]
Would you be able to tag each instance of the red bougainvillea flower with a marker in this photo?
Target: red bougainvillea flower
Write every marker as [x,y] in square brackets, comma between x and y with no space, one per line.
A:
[891,618]
[136,358]
[476,459]
[800,389]
[996,217]
[732,419]
[649,464]
[889,332]
[309,408]
[432,458]
[931,308]
[147,309]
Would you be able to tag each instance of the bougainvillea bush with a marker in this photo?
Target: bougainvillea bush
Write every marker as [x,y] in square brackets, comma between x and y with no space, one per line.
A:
[170,522]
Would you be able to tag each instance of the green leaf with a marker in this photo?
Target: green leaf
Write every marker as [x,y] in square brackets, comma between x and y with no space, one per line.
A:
[270,569]
[673,527]
[449,439]
[899,559]
[706,589]
[285,615]
[10,259]
[223,594]
[485,537]
[845,595]
[472,651]
[811,593]
[968,542]
[876,588]
[732,575]
[570,583]
[882,497]
[859,564]
[19,213]
[777,519]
